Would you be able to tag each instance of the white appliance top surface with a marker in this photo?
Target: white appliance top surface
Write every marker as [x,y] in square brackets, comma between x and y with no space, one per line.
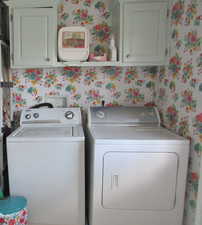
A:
[47,132]
[132,133]
[123,115]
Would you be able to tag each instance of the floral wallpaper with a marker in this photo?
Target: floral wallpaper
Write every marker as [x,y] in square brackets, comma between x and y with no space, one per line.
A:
[93,14]
[179,89]
[6,95]
[84,86]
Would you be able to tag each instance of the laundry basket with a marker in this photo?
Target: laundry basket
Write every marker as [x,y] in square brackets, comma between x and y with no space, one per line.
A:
[13,211]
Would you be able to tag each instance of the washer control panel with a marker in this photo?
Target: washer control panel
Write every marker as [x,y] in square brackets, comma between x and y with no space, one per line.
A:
[51,115]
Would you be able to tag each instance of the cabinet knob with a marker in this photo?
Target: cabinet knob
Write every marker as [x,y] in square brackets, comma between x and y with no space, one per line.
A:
[47,59]
[128,55]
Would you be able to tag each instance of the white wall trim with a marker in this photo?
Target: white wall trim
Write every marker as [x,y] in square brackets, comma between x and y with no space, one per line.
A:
[35,3]
[199,200]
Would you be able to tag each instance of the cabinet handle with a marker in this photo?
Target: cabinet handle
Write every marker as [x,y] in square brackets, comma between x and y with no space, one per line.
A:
[128,55]
[47,59]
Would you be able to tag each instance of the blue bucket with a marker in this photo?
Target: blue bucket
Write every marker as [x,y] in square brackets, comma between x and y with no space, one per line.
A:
[13,211]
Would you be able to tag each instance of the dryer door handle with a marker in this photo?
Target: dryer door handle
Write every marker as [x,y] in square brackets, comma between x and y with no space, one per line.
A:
[114,181]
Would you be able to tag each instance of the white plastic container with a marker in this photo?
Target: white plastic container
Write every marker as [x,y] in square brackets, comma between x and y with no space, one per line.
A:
[113,50]
[73,44]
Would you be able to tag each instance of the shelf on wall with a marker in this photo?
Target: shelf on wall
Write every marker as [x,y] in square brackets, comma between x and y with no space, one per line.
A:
[87,64]
[73,64]
[100,64]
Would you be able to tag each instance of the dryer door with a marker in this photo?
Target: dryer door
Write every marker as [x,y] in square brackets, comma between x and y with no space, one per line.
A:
[139,180]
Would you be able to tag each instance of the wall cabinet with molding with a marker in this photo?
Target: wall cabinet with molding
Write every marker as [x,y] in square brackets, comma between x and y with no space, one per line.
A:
[139,28]
[141,31]
[33,33]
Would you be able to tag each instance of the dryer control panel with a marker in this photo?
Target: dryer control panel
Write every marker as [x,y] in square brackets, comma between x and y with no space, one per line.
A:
[138,115]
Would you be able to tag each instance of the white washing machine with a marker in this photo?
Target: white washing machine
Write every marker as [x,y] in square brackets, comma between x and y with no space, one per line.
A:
[46,165]
[137,168]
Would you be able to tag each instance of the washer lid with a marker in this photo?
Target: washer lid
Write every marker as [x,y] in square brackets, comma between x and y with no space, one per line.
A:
[35,132]
[51,133]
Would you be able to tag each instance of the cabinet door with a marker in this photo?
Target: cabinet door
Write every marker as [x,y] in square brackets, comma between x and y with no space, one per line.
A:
[33,36]
[139,181]
[145,31]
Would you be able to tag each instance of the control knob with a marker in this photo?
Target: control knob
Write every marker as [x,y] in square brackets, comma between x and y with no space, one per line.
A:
[28,116]
[100,114]
[69,115]
[36,115]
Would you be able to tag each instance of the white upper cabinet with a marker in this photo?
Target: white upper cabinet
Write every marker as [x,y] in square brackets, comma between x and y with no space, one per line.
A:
[145,32]
[142,31]
[33,36]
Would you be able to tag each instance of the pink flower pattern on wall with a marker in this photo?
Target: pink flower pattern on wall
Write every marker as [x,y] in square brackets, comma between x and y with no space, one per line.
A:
[84,86]
[180,89]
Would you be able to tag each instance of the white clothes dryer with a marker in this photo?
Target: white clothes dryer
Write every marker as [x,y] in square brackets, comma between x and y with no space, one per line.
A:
[46,165]
[1,162]
[137,168]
